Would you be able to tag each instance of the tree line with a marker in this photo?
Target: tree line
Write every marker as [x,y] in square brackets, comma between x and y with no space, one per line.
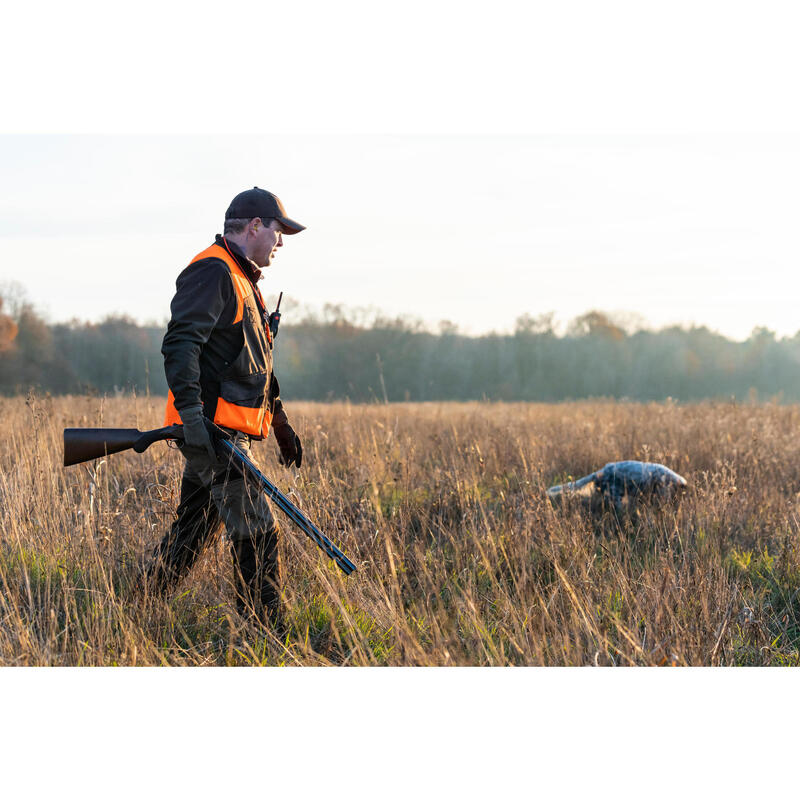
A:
[334,356]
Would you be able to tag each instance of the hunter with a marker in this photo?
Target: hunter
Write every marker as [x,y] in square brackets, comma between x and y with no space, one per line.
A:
[218,362]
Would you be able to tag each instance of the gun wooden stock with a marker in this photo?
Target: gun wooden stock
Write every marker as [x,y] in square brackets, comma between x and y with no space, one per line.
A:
[84,444]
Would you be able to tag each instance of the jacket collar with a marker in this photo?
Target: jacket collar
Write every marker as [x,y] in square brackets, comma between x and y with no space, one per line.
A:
[247,266]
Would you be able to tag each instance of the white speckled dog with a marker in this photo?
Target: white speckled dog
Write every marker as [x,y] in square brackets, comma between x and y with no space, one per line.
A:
[621,484]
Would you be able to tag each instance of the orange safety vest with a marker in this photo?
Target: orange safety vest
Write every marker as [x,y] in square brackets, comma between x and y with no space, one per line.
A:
[243,400]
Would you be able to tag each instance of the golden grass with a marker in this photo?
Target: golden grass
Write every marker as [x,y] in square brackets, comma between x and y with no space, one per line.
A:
[461,560]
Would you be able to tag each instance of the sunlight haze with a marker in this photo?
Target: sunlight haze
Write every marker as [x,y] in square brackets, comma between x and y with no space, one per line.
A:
[477,230]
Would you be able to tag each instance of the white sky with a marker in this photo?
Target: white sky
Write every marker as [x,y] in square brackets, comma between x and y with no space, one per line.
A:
[453,165]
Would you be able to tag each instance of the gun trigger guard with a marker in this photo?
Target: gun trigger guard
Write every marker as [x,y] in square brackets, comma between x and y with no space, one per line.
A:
[149,437]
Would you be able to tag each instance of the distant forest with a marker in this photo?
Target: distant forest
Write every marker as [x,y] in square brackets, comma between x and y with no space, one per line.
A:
[332,356]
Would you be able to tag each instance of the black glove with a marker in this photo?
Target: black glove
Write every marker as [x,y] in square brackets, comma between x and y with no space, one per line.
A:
[289,443]
[196,438]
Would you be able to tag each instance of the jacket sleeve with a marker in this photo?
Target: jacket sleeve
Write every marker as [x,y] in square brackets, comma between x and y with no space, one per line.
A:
[204,298]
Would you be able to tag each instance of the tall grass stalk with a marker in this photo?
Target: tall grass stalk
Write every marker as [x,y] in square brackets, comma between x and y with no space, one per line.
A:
[461,560]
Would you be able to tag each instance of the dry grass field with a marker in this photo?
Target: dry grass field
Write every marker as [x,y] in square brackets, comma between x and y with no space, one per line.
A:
[461,560]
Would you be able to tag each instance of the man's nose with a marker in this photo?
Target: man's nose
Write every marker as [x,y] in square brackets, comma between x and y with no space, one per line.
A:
[280,240]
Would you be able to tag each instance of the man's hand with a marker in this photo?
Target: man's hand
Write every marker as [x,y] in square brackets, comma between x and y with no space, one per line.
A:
[289,443]
[196,438]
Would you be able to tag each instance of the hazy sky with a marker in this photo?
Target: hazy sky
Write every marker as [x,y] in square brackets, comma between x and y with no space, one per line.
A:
[451,161]
[474,229]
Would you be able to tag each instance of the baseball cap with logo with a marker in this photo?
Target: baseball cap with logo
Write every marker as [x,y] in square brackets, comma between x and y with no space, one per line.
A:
[257,202]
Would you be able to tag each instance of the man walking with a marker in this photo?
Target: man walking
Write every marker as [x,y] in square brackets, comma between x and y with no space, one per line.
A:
[218,362]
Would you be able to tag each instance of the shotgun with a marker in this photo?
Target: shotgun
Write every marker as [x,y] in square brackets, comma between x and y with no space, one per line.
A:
[84,444]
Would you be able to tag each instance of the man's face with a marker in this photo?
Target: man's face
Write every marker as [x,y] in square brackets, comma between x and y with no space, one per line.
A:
[266,238]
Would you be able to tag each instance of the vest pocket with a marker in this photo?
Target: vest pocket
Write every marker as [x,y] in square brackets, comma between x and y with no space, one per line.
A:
[245,390]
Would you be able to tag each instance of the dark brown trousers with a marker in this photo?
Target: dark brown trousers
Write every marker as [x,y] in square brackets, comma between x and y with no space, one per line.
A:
[210,497]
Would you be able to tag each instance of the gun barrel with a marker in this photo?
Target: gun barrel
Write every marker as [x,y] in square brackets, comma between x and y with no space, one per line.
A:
[84,444]
[290,509]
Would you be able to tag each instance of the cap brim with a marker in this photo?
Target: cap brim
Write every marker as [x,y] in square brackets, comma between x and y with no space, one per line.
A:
[290,226]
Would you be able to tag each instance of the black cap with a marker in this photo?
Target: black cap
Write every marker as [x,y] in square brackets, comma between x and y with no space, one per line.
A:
[257,202]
